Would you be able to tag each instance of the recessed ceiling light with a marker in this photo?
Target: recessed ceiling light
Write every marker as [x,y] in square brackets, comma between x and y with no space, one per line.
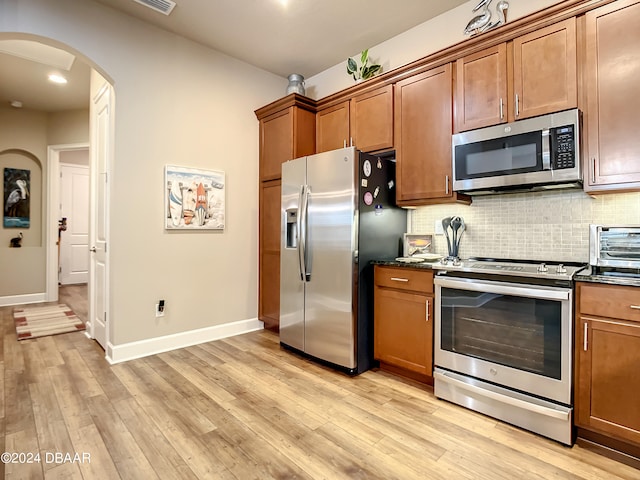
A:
[16,104]
[55,78]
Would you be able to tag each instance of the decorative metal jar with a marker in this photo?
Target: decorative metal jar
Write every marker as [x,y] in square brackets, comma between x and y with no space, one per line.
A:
[296,84]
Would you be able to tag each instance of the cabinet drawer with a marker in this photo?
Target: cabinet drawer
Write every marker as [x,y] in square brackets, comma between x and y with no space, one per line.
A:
[404,278]
[610,301]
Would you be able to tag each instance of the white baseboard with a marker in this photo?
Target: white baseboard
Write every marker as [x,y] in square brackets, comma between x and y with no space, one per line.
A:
[21,299]
[143,348]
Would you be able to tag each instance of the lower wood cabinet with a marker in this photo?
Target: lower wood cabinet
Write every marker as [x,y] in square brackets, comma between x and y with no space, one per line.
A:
[403,320]
[607,361]
[269,255]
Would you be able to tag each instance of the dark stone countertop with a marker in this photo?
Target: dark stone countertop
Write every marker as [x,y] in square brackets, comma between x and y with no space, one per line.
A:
[587,275]
[394,263]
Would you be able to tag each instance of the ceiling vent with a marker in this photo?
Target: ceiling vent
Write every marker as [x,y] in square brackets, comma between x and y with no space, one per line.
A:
[162,6]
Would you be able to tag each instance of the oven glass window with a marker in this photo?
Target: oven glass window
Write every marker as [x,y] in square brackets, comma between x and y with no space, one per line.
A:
[519,332]
[516,154]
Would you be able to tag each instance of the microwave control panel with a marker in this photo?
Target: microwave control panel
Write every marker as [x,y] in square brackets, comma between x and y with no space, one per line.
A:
[563,147]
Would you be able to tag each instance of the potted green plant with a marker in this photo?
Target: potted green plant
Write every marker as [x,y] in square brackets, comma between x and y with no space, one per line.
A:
[365,71]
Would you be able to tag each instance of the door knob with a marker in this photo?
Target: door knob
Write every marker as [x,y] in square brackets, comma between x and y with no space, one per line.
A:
[93,249]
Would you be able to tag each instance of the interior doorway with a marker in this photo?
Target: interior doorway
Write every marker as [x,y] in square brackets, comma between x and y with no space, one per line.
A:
[70,153]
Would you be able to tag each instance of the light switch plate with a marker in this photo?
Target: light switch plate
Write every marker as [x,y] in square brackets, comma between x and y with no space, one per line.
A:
[437,227]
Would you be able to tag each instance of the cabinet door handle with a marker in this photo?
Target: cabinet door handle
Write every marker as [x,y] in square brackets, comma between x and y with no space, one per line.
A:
[517,106]
[635,307]
[446,184]
[397,279]
[584,339]
[593,170]
[501,110]
[427,310]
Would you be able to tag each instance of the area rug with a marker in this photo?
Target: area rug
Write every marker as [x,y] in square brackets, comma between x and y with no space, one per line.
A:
[40,321]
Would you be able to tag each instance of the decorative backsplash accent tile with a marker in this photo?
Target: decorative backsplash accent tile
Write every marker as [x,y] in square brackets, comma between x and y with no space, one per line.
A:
[551,226]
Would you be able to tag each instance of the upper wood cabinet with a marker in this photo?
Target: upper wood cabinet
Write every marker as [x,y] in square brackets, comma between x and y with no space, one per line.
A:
[423,127]
[372,119]
[287,131]
[532,75]
[613,97]
[332,127]
[366,121]
[481,88]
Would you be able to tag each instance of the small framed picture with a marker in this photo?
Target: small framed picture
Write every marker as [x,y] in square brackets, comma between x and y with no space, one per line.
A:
[417,244]
[194,199]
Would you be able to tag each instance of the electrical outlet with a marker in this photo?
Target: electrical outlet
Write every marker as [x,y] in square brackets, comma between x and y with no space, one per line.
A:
[438,227]
[160,309]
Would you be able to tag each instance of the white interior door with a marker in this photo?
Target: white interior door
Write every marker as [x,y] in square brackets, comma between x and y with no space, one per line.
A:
[74,241]
[101,138]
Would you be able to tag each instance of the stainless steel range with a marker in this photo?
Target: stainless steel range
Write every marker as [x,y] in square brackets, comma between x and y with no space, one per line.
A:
[503,337]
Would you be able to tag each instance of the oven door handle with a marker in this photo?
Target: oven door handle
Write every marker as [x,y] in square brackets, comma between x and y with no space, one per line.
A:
[515,402]
[504,288]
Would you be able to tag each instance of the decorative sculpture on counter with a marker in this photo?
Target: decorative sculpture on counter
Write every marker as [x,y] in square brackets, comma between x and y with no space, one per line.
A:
[15,241]
[482,23]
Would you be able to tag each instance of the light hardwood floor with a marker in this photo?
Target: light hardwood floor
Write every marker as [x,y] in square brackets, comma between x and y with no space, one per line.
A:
[243,408]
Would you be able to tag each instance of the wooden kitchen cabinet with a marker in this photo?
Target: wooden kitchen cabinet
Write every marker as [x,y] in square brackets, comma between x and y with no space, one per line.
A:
[403,321]
[532,75]
[607,356]
[365,121]
[423,127]
[269,244]
[372,119]
[613,97]
[287,131]
[481,88]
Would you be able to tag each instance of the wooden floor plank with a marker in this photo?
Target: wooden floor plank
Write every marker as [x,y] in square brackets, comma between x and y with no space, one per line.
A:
[243,407]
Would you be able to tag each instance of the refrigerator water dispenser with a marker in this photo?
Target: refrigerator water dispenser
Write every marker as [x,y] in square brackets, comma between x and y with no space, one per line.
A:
[291,240]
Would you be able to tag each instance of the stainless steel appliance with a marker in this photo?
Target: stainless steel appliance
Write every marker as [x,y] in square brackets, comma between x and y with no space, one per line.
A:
[532,154]
[338,214]
[615,249]
[503,336]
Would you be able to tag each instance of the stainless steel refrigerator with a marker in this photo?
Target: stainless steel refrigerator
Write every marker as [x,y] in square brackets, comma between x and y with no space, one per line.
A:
[338,213]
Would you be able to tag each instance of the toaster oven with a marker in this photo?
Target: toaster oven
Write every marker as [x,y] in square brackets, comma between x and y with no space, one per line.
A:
[614,246]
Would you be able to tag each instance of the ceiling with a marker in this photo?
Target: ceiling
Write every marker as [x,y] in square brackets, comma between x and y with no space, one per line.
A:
[280,36]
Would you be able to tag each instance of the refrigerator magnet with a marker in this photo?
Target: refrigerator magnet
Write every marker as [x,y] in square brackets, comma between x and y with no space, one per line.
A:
[368,198]
[379,165]
[366,168]
[365,182]
[376,192]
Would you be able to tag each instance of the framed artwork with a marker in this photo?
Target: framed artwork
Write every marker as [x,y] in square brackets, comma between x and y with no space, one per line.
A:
[194,199]
[416,244]
[17,200]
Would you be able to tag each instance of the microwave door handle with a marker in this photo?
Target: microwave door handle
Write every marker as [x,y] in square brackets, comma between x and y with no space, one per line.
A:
[546,150]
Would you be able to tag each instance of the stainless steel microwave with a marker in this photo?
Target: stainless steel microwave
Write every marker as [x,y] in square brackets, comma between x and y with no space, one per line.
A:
[532,154]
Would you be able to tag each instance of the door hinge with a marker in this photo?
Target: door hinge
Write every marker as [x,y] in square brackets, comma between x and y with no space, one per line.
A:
[59,269]
[105,247]
[105,317]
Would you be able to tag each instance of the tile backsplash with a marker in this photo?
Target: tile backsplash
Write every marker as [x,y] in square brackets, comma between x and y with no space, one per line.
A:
[532,226]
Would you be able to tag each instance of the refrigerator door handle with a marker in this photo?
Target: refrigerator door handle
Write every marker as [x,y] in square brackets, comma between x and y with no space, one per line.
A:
[300,236]
[305,233]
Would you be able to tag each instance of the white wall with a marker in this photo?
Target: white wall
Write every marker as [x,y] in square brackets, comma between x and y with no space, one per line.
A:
[176,102]
[438,33]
